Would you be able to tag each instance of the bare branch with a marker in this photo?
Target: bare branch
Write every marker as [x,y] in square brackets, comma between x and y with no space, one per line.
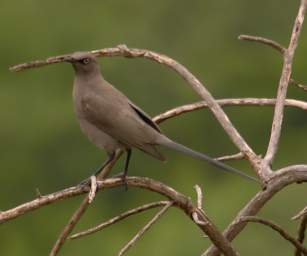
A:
[265,41]
[119,218]
[283,86]
[277,228]
[227,102]
[198,87]
[144,229]
[181,201]
[301,234]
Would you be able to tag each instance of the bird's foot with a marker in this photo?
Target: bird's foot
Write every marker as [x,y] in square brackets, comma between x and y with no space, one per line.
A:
[123,176]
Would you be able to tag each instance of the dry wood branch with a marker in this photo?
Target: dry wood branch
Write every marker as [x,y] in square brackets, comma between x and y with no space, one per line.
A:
[283,86]
[265,41]
[118,218]
[301,234]
[285,177]
[144,229]
[198,87]
[280,230]
[227,102]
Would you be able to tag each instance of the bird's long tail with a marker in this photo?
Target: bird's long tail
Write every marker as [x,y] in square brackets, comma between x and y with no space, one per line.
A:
[181,148]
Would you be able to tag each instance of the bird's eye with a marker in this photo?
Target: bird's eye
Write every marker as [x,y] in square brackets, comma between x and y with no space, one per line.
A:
[86,61]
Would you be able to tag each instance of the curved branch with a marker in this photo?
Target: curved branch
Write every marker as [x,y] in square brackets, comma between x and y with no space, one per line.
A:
[286,176]
[265,41]
[198,87]
[300,247]
[181,201]
[227,102]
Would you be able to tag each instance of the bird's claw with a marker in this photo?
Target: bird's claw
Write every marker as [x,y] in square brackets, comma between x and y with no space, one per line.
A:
[123,176]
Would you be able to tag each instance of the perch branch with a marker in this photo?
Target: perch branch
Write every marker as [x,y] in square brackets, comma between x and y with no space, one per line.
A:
[300,247]
[198,87]
[118,218]
[144,229]
[181,201]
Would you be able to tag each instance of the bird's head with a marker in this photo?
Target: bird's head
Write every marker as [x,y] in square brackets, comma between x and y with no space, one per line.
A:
[83,62]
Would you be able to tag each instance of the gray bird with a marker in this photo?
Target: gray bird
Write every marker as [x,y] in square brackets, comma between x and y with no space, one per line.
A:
[111,121]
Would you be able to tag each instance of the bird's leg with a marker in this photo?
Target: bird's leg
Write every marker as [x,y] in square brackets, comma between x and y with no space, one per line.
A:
[129,151]
[123,174]
[87,181]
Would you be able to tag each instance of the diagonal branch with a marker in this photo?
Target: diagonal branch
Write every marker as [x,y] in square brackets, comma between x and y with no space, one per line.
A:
[118,218]
[301,233]
[197,86]
[144,229]
[283,86]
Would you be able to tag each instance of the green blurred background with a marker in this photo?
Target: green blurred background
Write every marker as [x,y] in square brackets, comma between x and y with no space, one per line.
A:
[42,146]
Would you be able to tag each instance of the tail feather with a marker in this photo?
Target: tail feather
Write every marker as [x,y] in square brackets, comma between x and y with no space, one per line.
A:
[181,148]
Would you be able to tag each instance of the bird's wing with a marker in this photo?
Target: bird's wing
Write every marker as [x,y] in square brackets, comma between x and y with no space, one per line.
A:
[144,116]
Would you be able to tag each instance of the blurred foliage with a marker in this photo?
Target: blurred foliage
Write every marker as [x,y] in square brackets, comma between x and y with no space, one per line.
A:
[42,146]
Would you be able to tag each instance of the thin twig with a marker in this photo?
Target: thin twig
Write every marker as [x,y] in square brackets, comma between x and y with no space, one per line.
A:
[301,214]
[277,228]
[301,234]
[283,86]
[118,218]
[297,84]
[265,41]
[237,156]
[144,229]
